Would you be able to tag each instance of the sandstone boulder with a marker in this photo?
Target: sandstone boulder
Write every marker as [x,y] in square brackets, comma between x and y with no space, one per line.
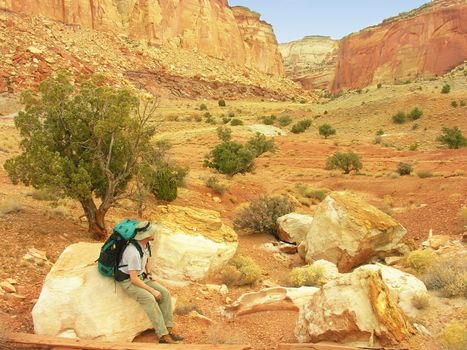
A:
[352,309]
[77,302]
[293,227]
[348,232]
[192,243]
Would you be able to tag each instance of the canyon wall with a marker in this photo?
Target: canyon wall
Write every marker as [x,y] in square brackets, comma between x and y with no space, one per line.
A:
[208,26]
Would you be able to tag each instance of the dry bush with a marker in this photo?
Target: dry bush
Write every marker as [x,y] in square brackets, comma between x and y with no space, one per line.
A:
[311,275]
[219,334]
[44,195]
[314,193]
[454,336]
[423,174]
[10,205]
[421,260]
[59,212]
[213,183]
[241,270]
[449,276]
[421,300]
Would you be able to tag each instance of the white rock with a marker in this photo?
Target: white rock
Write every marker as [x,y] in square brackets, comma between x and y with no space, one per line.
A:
[293,227]
[267,130]
[7,287]
[34,50]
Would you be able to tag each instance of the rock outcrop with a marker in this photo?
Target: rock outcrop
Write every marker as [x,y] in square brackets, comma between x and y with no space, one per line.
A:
[193,242]
[210,26]
[354,308]
[293,227]
[77,302]
[311,61]
[348,232]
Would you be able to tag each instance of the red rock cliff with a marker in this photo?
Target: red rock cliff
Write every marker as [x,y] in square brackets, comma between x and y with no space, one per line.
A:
[209,26]
[429,41]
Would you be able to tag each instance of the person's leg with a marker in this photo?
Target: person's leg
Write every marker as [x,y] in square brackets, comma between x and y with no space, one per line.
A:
[165,302]
[149,305]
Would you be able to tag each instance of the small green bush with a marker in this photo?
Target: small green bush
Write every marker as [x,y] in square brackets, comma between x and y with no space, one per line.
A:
[379,85]
[446,89]
[415,126]
[454,335]
[44,195]
[462,103]
[454,104]
[236,122]
[311,275]
[231,158]
[311,192]
[226,120]
[399,118]
[404,169]
[260,144]
[203,107]
[262,214]
[326,130]
[213,183]
[165,184]
[345,161]
[421,260]
[453,138]
[224,133]
[380,132]
[415,113]
[301,126]
[448,275]
[221,103]
[285,120]
[414,146]
[268,120]
[240,270]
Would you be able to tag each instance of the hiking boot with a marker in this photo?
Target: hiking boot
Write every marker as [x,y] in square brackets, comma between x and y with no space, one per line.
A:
[176,337]
[167,339]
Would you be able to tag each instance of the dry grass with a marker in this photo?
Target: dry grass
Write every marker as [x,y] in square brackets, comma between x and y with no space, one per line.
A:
[449,276]
[59,212]
[310,275]
[454,336]
[10,205]
[421,260]
[214,183]
[241,270]
[420,300]
[43,195]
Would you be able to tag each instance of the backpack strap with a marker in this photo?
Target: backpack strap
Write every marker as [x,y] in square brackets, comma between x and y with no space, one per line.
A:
[138,247]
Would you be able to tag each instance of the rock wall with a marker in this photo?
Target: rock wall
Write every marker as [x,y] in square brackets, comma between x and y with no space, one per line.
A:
[311,61]
[209,26]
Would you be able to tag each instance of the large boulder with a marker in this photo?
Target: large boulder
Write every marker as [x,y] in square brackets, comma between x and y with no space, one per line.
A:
[293,227]
[352,309]
[192,242]
[77,302]
[348,231]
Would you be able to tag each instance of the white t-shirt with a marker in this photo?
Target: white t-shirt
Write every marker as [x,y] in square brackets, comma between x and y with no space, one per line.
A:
[132,261]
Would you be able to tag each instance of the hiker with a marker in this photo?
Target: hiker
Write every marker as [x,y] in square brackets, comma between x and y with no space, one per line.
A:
[135,277]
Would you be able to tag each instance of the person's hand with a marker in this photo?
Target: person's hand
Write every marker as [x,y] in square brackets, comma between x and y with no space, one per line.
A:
[156,294]
[150,276]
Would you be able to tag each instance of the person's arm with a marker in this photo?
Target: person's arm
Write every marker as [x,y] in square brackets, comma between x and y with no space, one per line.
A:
[137,282]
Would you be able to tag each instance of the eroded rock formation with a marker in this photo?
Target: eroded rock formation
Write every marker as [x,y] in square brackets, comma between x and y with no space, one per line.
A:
[210,26]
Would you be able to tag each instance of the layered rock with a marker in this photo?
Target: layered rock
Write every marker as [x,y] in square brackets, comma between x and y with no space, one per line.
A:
[193,242]
[77,302]
[311,61]
[348,232]
[354,308]
[208,26]
[293,227]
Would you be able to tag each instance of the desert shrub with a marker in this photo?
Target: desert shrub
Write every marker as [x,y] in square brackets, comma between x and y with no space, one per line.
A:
[262,214]
[59,212]
[236,121]
[231,158]
[454,335]
[224,133]
[378,139]
[326,130]
[420,300]
[301,126]
[165,184]
[421,260]
[449,276]
[209,118]
[314,193]
[221,103]
[213,183]
[268,120]
[462,103]
[380,132]
[172,118]
[285,120]
[379,85]
[454,104]
[197,118]
[415,126]
[423,174]
[404,168]
[240,270]
[453,138]
[311,275]
[226,120]
[345,161]
[399,118]
[44,195]
[260,144]
[415,113]
[446,89]
[414,146]
[203,107]
[10,205]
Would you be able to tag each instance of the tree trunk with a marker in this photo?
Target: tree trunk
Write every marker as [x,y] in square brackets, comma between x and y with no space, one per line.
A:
[95,218]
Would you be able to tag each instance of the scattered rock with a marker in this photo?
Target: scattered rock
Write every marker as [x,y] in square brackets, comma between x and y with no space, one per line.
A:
[200,318]
[293,227]
[287,248]
[7,287]
[34,50]
[37,257]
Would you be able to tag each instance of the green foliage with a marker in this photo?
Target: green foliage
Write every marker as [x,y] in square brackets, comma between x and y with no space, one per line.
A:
[224,133]
[415,113]
[421,260]
[301,126]
[404,168]
[454,335]
[454,104]
[285,120]
[240,270]
[268,120]
[262,214]
[345,161]
[209,118]
[221,103]
[236,122]
[213,183]
[231,158]
[82,141]
[462,103]
[260,144]
[399,118]
[448,275]
[414,146]
[326,130]
[446,89]
[311,275]
[379,86]
[165,184]
[453,138]
[380,132]
[203,107]
[415,126]
[314,193]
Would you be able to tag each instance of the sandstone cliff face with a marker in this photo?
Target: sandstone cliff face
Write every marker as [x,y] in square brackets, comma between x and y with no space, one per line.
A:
[311,61]
[428,42]
[209,26]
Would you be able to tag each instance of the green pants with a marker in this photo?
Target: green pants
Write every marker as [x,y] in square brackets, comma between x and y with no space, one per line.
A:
[159,311]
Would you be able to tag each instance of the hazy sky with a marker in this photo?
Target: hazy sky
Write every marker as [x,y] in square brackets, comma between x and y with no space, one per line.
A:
[294,19]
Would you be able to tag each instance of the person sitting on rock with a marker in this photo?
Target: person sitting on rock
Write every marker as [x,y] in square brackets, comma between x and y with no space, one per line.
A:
[135,277]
